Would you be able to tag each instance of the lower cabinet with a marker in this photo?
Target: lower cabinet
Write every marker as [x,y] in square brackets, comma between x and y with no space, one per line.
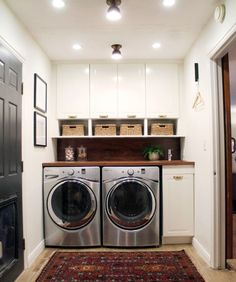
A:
[178,204]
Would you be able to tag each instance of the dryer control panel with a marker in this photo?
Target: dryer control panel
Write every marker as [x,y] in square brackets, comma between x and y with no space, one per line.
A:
[150,172]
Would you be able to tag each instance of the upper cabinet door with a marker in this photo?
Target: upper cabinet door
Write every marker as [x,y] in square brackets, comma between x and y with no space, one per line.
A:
[162,90]
[73,91]
[103,87]
[131,90]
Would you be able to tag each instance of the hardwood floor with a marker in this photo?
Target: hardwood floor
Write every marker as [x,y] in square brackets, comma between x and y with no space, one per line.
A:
[208,274]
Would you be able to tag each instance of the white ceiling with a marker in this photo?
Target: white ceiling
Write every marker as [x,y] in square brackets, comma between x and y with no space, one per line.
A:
[143,23]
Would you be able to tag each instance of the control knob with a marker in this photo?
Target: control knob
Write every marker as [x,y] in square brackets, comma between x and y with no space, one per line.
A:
[70,172]
[130,171]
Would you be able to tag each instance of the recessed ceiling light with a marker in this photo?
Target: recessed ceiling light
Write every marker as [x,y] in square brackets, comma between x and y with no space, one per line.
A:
[76,46]
[113,12]
[58,4]
[156,45]
[168,3]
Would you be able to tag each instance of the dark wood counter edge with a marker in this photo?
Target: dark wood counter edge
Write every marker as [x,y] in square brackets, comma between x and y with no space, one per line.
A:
[118,163]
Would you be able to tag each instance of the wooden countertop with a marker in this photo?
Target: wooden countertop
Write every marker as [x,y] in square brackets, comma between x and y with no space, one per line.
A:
[118,163]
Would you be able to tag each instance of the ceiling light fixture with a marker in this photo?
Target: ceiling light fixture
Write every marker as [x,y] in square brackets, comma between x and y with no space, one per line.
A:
[58,4]
[156,45]
[76,46]
[113,12]
[168,3]
[116,54]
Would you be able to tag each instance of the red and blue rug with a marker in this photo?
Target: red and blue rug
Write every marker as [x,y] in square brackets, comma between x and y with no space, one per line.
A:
[120,266]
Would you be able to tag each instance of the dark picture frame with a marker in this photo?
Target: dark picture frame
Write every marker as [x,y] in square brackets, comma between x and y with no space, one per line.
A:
[40,130]
[40,93]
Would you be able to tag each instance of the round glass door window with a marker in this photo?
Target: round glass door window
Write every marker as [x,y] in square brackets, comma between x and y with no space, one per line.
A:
[71,204]
[131,204]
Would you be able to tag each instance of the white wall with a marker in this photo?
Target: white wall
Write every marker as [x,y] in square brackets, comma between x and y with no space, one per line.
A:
[16,36]
[199,129]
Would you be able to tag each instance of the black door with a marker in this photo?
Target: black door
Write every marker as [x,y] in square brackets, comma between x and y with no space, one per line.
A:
[131,204]
[11,227]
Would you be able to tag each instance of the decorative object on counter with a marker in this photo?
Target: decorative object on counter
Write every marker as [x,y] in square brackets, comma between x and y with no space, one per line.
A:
[69,153]
[153,153]
[169,154]
[81,153]
[40,93]
[40,130]
[73,130]
[105,129]
[162,129]
[131,129]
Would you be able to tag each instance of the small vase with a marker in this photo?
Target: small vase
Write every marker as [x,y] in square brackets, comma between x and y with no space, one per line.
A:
[153,156]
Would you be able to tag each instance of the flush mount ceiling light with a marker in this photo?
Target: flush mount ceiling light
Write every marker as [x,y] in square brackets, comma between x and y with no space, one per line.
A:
[58,4]
[219,14]
[156,45]
[113,12]
[168,3]
[116,54]
[76,46]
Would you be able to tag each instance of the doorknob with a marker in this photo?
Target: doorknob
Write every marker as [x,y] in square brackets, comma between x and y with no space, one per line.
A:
[233,145]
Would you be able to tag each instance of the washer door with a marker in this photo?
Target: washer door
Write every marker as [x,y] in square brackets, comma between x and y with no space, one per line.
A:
[131,204]
[71,204]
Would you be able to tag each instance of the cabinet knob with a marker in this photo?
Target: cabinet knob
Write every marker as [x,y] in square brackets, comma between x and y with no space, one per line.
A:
[178,177]
[72,116]
[103,116]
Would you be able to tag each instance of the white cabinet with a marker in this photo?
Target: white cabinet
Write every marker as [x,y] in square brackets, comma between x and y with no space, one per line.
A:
[72,91]
[131,90]
[103,90]
[178,201]
[162,90]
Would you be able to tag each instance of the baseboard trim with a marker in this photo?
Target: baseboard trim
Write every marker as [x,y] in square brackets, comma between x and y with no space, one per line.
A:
[201,251]
[177,240]
[35,253]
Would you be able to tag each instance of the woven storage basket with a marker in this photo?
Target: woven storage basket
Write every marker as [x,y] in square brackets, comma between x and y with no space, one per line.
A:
[73,129]
[131,129]
[162,129]
[105,129]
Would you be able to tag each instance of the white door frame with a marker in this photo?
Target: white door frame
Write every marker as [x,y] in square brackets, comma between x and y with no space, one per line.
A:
[218,253]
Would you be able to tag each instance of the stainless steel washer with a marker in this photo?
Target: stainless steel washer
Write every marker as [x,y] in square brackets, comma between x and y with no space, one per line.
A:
[72,206]
[131,206]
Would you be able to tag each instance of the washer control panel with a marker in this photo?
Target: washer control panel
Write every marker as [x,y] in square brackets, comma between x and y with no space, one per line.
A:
[91,173]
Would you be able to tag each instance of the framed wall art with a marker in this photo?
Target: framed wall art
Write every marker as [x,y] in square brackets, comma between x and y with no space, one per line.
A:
[40,93]
[40,130]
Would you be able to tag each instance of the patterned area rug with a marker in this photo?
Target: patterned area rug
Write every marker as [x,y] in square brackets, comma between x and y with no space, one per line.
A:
[119,266]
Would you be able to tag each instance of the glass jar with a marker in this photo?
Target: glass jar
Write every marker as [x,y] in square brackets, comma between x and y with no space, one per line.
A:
[81,153]
[69,154]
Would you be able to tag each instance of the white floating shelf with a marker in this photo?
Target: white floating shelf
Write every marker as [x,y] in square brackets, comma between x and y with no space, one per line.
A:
[121,136]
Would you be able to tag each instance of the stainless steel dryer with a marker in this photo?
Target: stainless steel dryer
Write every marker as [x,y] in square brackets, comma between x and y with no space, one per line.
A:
[131,206]
[72,206]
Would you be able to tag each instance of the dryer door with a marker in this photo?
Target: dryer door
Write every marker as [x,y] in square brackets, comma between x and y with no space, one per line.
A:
[131,204]
[71,204]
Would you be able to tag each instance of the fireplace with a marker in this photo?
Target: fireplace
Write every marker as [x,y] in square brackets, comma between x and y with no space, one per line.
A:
[8,233]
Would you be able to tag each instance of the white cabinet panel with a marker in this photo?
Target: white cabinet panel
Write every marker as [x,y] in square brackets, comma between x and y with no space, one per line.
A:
[73,91]
[178,205]
[103,87]
[131,90]
[162,90]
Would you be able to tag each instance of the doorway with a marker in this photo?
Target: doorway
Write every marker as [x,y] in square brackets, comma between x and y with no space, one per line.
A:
[228,63]
[11,226]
